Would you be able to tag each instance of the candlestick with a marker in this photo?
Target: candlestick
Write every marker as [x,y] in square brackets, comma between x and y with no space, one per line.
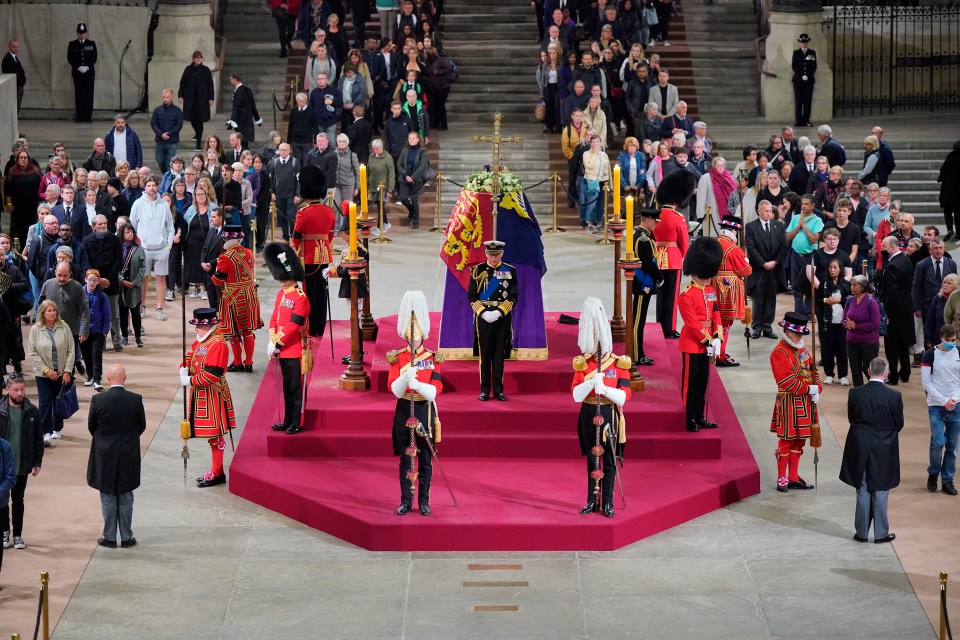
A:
[630,228]
[353,231]
[363,192]
[616,193]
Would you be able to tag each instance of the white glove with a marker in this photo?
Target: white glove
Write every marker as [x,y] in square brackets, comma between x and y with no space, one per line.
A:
[815,398]
[325,273]
[710,351]
[414,385]
[599,388]
[716,346]
[271,349]
[259,122]
[410,374]
[184,376]
[490,316]
[231,124]
[83,69]
[813,390]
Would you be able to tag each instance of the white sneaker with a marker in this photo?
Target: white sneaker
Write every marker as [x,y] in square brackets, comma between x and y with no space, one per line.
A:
[375,232]
[387,226]
[47,440]
[18,543]
[160,315]
[666,43]
[828,380]
[56,435]
[6,540]
[204,296]
[169,296]
[97,386]
[88,383]
[195,293]
[844,381]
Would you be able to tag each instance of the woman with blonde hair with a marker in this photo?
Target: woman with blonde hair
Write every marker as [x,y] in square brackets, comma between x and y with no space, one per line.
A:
[132,189]
[52,352]
[628,70]
[596,120]
[596,171]
[80,180]
[871,157]
[122,170]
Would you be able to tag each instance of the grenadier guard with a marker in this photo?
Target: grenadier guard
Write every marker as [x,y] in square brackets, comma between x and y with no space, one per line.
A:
[601,388]
[493,294]
[211,406]
[646,279]
[700,338]
[731,292]
[415,380]
[239,304]
[798,392]
[672,239]
[312,238]
[288,338]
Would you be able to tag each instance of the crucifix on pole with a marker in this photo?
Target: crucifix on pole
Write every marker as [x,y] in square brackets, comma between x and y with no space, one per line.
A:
[495,165]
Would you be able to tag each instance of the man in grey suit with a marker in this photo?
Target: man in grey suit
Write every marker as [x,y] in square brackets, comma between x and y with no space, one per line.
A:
[766,250]
[871,455]
[116,421]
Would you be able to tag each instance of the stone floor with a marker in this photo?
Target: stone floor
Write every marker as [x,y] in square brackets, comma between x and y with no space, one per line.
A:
[210,565]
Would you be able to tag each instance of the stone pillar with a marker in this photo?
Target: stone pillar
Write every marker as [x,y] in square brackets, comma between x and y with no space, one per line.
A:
[9,125]
[788,19]
[183,27]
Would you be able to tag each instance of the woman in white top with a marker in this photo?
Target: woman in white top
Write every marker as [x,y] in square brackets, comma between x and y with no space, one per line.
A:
[596,171]
[596,120]
[655,169]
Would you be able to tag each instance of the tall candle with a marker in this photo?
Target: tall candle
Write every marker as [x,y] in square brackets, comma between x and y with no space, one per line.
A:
[616,193]
[353,230]
[363,192]
[630,255]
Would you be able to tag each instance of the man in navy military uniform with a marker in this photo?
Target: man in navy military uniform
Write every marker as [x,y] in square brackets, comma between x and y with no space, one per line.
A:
[804,65]
[492,295]
[82,57]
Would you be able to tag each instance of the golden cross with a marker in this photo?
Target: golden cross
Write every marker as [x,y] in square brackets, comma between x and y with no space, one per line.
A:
[495,165]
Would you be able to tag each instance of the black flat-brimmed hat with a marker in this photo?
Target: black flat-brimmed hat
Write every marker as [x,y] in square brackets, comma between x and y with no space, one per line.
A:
[796,322]
[204,317]
[803,38]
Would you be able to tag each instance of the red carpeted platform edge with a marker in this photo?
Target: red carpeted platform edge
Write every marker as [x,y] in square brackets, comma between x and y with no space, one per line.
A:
[514,467]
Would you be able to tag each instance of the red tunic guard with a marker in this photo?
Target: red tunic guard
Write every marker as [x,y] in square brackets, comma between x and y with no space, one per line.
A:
[731,292]
[701,327]
[794,412]
[239,305]
[672,240]
[211,406]
[288,337]
[313,232]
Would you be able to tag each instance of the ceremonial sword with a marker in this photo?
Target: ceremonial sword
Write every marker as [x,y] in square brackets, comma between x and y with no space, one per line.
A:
[608,432]
[433,452]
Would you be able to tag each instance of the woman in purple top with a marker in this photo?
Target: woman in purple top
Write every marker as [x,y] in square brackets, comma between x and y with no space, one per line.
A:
[861,317]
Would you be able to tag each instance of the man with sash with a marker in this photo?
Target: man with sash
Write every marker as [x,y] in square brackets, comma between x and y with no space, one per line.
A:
[312,235]
[731,292]
[700,338]
[288,337]
[605,384]
[672,239]
[493,294]
[646,279]
[414,378]
[239,304]
[211,406]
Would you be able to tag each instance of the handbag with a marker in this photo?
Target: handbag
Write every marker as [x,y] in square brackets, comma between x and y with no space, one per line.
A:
[67,403]
[540,111]
[430,173]
[649,17]
[882,329]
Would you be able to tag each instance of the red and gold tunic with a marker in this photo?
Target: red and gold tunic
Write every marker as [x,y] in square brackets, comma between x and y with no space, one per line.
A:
[427,365]
[313,233]
[616,374]
[728,283]
[288,320]
[672,239]
[239,305]
[794,412]
[701,318]
[211,406]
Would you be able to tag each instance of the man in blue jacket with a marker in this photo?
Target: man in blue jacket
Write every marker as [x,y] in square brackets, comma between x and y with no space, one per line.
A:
[326,103]
[129,147]
[166,122]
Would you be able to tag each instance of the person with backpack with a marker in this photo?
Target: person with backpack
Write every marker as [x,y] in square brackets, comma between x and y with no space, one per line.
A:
[886,163]
[834,152]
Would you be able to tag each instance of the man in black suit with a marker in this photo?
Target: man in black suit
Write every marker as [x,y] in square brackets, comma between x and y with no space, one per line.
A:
[82,57]
[212,248]
[871,455]
[802,170]
[11,64]
[116,421]
[105,254]
[897,281]
[244,113]
[793,152]
[766,250]
[804,66]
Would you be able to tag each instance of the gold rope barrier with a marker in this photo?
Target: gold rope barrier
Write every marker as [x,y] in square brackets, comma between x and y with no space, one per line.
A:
[45,589]
[381,238]
[606,207]
[439,228]
[555,178]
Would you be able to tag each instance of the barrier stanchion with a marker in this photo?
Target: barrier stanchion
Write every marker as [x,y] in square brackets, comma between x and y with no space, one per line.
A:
[555,178]
[945,632]
[273,222]
[606,207]
[45,603]
[439,228]
[381,239]
[273,107]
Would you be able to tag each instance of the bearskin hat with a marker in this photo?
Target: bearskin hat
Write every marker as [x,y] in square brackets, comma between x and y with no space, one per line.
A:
[283,262]
[313,183]
[703,258]
[677,188]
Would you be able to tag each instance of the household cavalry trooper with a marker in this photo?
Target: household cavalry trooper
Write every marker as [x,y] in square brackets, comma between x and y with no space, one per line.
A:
[601,384]
[798,392]
[731,292]
[239,304]
[493,294]
[312,237]
[415,380]
[211,407]
[700,338]
[646,279]
[672,238]
[289,343]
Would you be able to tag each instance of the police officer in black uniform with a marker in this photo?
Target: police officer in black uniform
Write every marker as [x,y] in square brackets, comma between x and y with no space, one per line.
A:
[804,65]
[646,279]
[493,294]
[82,57]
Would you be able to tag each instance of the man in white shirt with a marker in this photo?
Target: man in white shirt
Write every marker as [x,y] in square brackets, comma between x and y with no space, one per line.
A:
[940,374]
[151,217]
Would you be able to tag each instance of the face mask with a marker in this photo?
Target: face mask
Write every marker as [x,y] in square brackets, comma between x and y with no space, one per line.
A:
[948,346]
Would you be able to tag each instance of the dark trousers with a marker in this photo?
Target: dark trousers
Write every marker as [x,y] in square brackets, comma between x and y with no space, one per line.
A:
[292,390]
[16,506]
[588,434]
[285,32]
[408,195]
[860,356]
[196,121]
[92,350]
[833,349]
[492,340]
[551,100]
[641,302]
[20,95]
[83,95]
[47,392]
[263,225]
[948,211]
[803,95]
[286,215]
[424,461]
[764,307]
[213,292]
[134,313]
[573,170]
[898,354]
[316,289]
[696,374]
[667,300]
[175,268]
[439,108]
